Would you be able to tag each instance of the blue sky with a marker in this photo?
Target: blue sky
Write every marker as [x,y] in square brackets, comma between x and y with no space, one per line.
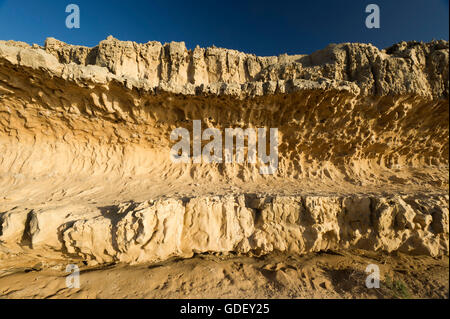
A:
[253,26]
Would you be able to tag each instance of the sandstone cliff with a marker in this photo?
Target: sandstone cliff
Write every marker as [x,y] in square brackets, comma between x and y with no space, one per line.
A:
[84,150]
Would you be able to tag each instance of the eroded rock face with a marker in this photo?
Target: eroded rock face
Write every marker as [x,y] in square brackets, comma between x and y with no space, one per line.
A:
[85,170]
[158,229]
[404,68]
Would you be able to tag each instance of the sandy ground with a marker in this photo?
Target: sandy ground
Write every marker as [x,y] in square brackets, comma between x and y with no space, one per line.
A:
[334,274]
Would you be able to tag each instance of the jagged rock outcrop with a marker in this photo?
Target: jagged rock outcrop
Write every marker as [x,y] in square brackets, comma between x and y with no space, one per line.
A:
[404,68]
[85,143]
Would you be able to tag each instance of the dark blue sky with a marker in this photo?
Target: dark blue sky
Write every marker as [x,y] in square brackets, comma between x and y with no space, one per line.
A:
[253,26]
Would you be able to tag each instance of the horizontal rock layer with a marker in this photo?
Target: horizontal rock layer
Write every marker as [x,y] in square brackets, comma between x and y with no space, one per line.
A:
[405,68]
[247,224]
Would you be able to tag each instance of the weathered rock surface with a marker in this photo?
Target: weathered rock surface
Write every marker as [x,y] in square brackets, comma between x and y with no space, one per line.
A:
[405,68]
[84,150]
[158,229]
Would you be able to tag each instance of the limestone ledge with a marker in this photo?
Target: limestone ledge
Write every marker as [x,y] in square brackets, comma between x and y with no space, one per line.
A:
[249,224]
[407,68]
